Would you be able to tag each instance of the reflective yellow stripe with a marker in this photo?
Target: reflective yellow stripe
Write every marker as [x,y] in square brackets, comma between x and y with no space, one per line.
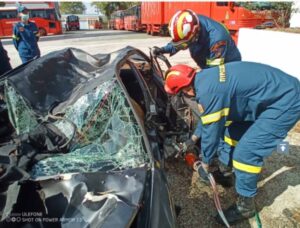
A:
[246,168]
[222,73]
[214,117]
[174,72]
[228,123]
[180,25]
[214,62]
[230,141]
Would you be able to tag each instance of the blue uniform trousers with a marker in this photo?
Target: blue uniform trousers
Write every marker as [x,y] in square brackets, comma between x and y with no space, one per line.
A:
[249,143]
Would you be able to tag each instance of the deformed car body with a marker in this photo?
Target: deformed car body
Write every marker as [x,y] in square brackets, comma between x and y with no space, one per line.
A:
[87,141]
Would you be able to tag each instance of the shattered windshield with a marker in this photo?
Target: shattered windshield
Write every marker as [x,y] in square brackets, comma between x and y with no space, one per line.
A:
[107,135]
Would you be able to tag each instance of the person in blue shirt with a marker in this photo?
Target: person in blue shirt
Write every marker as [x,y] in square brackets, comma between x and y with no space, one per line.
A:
[4,60]
[262,100]
[26,36]
[208,41]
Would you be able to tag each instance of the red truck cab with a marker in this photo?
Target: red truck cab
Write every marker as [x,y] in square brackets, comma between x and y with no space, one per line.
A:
[72,23]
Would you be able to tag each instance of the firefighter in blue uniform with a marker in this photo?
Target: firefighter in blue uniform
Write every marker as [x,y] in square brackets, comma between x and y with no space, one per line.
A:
[26,36]
[4,60]
[210,45]
[208,41]
[269,103]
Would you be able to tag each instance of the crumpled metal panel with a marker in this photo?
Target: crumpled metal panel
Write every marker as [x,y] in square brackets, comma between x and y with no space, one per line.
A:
[100,199]
[67,70]
[92,197]
[70,73]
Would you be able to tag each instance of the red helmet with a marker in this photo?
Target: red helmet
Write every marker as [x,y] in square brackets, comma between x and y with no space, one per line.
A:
[178,77]
[183,27]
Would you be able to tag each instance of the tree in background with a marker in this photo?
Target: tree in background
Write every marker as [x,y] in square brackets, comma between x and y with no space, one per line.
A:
[72,7]
[107,8]
[284,10]
[281,11]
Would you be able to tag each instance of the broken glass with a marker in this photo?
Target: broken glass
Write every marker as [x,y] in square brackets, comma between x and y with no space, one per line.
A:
[107,135]
[21,117]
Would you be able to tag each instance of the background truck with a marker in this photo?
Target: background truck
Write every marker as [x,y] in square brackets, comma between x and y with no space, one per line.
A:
[154,17]
[45,15]
[72,23]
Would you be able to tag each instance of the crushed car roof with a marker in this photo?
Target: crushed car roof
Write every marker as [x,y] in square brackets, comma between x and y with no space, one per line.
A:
[62,76]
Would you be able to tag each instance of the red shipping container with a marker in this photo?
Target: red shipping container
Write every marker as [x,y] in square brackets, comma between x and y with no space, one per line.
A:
[156,15]
[152,13]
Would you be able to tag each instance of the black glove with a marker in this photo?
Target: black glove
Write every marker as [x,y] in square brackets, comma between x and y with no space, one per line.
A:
[155,51]
[188,145]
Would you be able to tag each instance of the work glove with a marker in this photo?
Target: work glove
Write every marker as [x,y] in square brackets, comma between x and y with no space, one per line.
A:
[188,145]
[155,51]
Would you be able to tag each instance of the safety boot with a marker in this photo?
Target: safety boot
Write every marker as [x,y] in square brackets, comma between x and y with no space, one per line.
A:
[243,209]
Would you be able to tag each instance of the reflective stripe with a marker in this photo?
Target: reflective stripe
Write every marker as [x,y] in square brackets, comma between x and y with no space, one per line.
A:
[180,25]
[230,141]
[214,62]
[228,123]
[246,168]
[15,37]
[214,117]
[171,25]
[222,73]
[174,72]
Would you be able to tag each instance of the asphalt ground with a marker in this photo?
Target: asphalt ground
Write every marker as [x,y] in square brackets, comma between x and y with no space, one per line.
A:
[99,41]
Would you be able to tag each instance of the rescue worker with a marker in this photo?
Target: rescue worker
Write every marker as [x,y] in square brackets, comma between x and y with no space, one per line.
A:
[4,60]
[208,41]
[26,36]
[270,102]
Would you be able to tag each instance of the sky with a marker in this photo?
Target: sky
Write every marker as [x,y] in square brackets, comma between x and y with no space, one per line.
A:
[90,9]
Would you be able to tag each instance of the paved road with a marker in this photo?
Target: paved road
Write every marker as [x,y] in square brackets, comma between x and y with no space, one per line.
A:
[80,34]
[94,42]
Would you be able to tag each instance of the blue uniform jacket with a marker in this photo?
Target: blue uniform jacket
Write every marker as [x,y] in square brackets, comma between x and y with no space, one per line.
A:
[241,91]
[214,45]
[25,38]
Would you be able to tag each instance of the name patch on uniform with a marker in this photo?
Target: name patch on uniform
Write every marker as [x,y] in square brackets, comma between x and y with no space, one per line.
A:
[21,29]
[222,73]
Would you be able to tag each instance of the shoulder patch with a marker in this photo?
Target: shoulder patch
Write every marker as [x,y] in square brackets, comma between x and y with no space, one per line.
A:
[218,48]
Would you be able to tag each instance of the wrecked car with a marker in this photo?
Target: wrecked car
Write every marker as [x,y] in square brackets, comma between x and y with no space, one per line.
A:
[83,141]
